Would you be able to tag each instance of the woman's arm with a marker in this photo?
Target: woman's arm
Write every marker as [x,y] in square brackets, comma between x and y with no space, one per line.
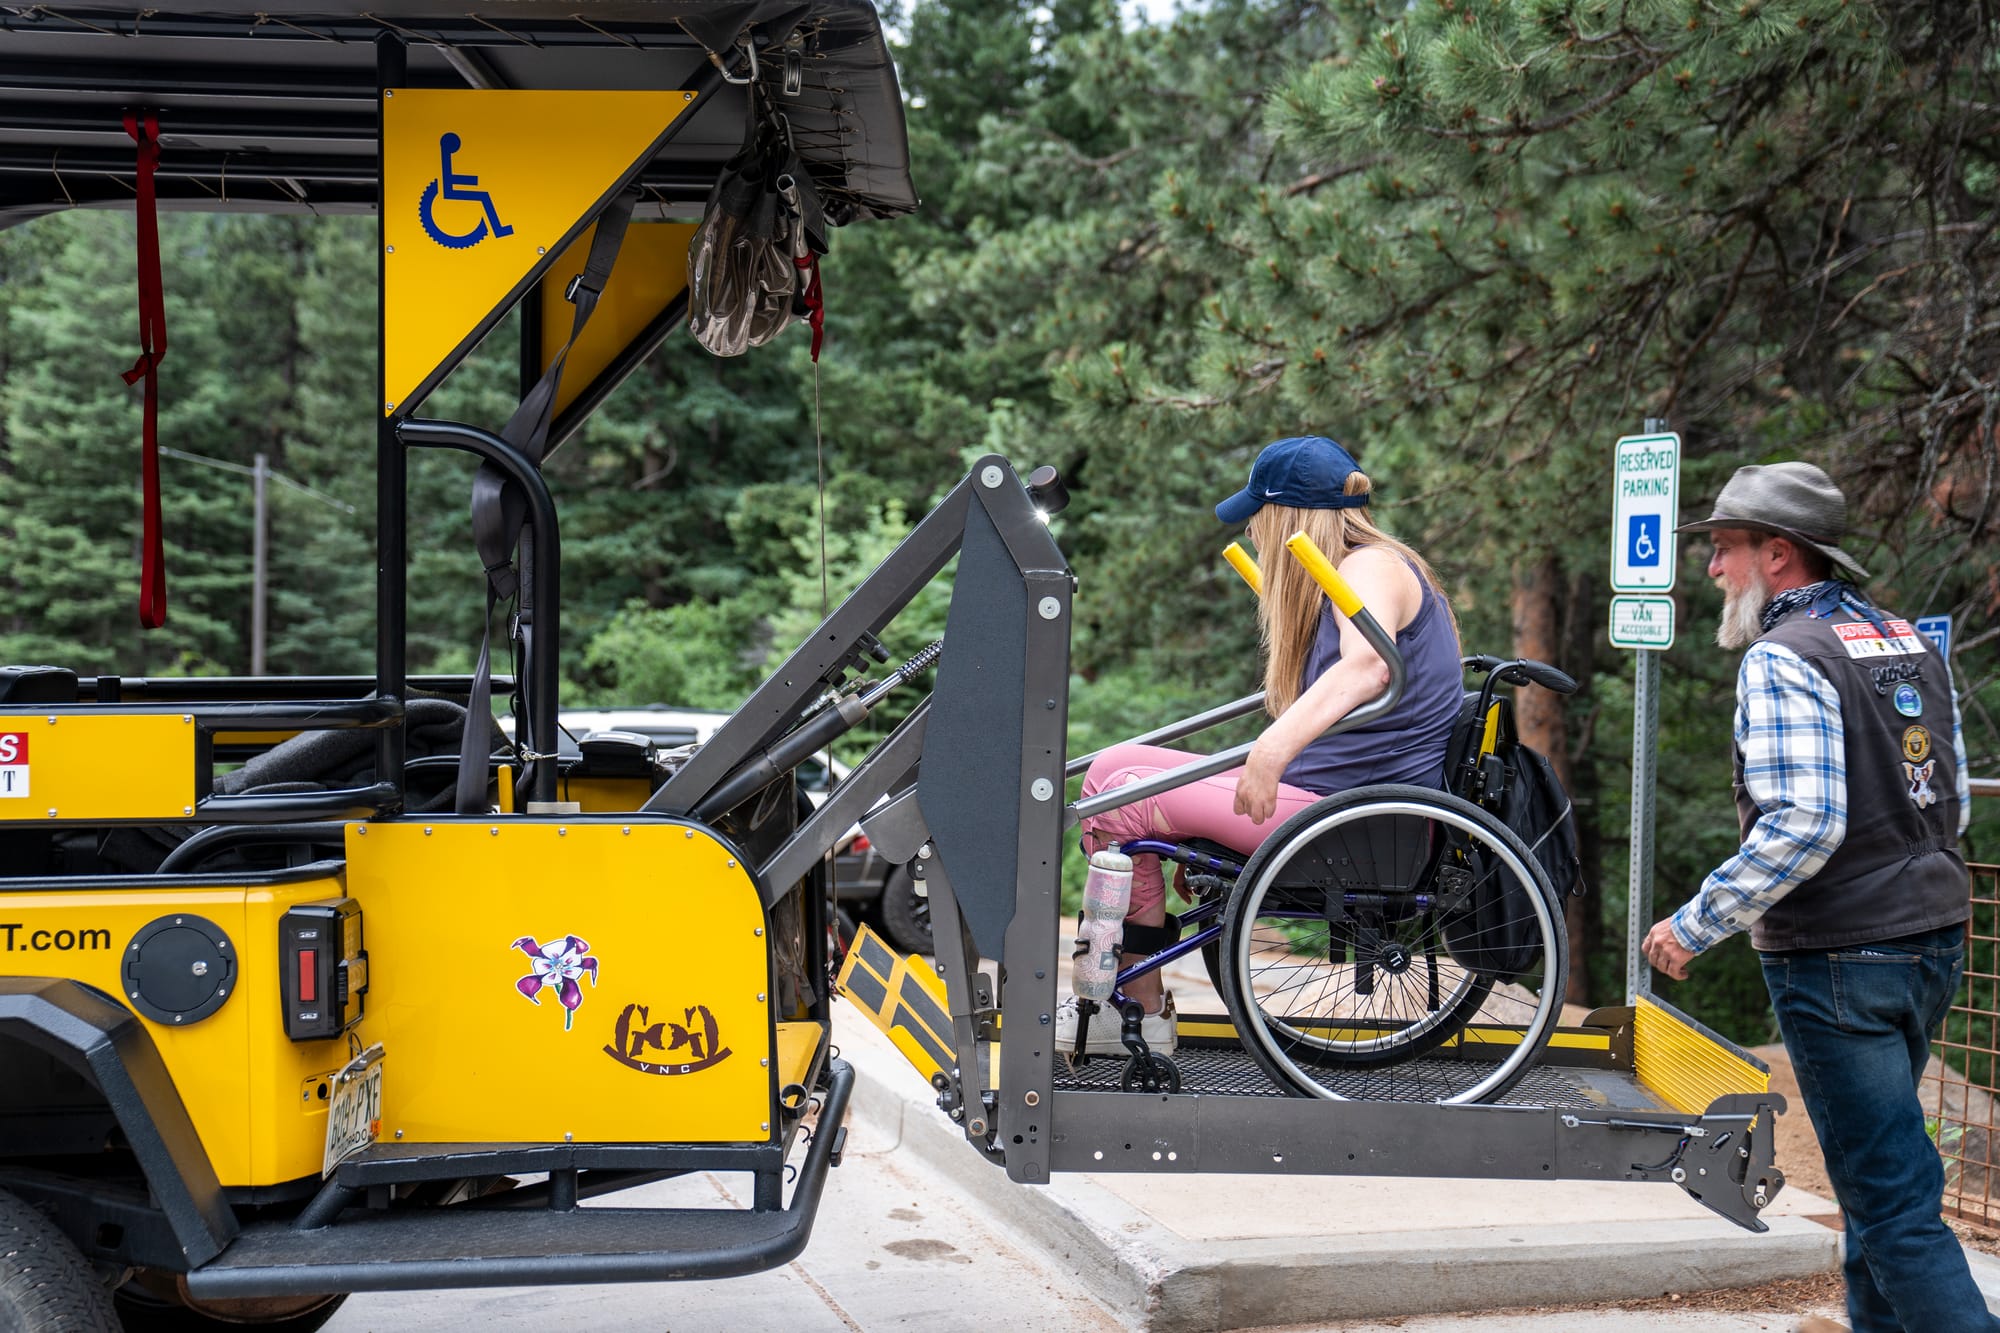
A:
[1392,592]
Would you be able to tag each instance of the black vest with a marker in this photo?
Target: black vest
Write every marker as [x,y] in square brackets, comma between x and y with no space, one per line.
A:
[1897,871]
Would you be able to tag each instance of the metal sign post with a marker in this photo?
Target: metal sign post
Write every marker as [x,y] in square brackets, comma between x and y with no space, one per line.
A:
[1645,505]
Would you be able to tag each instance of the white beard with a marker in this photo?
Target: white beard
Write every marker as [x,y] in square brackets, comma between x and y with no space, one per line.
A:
[1742,613]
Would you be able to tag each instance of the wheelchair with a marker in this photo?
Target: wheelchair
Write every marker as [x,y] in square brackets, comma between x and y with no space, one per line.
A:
[1390,942]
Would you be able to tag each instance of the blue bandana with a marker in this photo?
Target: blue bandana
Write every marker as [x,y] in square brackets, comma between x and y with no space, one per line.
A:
[1821,600]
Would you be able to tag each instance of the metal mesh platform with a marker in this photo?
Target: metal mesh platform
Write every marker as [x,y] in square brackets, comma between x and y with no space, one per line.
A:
[1230,1072]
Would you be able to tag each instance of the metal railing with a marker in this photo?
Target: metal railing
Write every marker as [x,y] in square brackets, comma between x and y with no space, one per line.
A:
[1960,1090]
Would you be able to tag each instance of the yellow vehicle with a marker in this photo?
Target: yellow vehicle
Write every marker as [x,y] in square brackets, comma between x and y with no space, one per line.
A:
[327,1044]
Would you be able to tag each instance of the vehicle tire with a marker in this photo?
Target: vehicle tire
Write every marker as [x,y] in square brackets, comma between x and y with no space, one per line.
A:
[906,917]
[1340,1000]
[46,1285]
[157,1303]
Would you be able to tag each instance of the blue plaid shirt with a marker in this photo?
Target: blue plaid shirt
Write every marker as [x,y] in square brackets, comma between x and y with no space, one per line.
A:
[1795,769]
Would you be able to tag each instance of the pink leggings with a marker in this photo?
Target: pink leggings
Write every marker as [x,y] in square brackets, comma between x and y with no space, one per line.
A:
[1204,809]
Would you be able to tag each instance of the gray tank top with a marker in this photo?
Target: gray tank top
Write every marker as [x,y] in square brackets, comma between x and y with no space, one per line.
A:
[1407,745]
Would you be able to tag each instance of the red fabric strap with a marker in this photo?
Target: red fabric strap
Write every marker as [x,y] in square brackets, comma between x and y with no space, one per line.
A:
[815,299]
[145,131]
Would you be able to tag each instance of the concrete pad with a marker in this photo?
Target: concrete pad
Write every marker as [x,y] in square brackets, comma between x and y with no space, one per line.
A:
[1986,1272]
[1217,1252]
[890,1249]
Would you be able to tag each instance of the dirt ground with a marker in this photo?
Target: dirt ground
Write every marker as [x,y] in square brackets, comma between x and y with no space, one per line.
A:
[1799,1156]
[1823,1295]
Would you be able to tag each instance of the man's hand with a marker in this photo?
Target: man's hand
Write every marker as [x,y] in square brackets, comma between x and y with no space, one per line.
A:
[1663,950]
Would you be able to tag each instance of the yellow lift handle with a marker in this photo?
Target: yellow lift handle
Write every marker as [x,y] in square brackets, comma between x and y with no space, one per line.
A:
[1323,572]
[1245,564]
[1307,552]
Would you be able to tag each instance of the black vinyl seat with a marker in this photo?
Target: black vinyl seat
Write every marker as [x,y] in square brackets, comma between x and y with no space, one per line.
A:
[37,685]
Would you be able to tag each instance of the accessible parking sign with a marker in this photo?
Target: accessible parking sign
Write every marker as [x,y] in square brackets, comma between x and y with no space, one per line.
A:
[1646,491]
[1642,622]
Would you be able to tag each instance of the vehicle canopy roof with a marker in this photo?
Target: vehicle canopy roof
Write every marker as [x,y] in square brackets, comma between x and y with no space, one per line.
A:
[271,106]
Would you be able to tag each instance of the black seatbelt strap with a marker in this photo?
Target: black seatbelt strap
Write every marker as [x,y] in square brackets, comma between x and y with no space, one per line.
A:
[499,511]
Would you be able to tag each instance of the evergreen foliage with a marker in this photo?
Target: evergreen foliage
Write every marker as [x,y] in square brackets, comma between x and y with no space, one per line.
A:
[1476,240]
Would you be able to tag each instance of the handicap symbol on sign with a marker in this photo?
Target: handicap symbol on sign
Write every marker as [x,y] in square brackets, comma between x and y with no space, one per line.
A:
[1938,630]
[1642,541]
[457,185]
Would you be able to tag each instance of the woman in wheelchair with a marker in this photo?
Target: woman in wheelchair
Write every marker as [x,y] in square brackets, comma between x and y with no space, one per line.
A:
[1318,669]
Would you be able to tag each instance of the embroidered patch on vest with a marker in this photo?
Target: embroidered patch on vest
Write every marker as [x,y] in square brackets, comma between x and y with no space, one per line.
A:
[1908,702]
[1919,778]
[1916,744]
[1886,676]
[1861,639]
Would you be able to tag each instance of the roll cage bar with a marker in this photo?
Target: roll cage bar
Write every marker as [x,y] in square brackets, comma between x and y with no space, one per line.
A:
[279,106]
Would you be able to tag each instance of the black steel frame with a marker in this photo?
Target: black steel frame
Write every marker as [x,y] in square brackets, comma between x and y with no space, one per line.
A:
[543,667]
[400,429]
[468,1246]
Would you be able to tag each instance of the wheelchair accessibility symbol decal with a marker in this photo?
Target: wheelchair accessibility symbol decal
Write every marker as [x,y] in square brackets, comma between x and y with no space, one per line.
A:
[458,187]
[1644,541]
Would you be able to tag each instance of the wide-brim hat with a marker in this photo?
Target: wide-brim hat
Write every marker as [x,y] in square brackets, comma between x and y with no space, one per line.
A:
[1796,501]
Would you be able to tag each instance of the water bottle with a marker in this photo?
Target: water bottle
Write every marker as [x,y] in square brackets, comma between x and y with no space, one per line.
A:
[1107,892]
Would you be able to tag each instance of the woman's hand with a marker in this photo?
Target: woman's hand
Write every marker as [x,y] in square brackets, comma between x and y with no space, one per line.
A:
[1257,788]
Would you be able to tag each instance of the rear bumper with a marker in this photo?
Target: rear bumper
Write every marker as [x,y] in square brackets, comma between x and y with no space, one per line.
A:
[461,1247]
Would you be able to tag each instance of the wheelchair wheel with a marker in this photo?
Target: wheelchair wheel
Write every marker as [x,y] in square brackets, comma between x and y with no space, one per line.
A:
[1394,943]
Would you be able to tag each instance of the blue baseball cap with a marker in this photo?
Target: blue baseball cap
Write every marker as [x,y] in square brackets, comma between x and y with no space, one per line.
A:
[1305,472]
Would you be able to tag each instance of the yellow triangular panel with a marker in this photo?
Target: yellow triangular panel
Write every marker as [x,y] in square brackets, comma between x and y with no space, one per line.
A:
[478,187]
[651,271]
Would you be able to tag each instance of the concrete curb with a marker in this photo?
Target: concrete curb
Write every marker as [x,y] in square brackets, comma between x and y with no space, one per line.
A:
[899,1101]
[1986,1272]
[1171,1283]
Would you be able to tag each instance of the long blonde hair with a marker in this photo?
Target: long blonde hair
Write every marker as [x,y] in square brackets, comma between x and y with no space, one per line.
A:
[1288,615]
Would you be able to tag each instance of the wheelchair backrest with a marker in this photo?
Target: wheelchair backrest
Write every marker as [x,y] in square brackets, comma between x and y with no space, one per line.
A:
[1475,736]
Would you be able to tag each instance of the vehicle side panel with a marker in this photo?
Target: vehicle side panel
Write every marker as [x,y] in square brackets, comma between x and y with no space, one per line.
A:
[239,1076]
[654,930]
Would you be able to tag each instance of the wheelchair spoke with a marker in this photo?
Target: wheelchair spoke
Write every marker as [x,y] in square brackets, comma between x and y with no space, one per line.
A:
[1392,948]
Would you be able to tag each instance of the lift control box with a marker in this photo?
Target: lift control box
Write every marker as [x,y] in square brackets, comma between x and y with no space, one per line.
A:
[323,970]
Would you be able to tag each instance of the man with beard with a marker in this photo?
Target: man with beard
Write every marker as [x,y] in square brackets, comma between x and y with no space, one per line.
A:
[1860,924]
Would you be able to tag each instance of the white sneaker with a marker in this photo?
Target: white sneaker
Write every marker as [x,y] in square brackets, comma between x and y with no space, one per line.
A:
[1105,1024]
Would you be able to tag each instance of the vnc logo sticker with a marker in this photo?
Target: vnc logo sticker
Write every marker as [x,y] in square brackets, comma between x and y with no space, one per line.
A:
[635,1039]
[457,187]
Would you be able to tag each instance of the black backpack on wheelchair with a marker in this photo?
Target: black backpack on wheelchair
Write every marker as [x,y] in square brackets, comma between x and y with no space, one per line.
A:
[1487,764]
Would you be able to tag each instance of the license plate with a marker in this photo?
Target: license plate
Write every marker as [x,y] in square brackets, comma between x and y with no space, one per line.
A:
[354,1113]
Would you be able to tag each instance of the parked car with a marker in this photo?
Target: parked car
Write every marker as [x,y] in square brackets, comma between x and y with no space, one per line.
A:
[866,884]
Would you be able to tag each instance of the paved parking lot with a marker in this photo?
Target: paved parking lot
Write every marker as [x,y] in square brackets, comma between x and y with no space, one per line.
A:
[893,1248]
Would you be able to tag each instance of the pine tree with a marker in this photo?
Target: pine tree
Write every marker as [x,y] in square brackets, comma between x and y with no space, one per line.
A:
[1505,233]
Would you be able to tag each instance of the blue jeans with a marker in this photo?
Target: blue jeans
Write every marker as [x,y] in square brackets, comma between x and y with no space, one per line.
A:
[1857,1023]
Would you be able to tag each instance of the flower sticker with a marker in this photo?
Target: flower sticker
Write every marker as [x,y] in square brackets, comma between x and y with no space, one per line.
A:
[556,964]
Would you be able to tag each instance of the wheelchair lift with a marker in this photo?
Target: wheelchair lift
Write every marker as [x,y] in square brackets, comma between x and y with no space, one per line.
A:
[1638,1093]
